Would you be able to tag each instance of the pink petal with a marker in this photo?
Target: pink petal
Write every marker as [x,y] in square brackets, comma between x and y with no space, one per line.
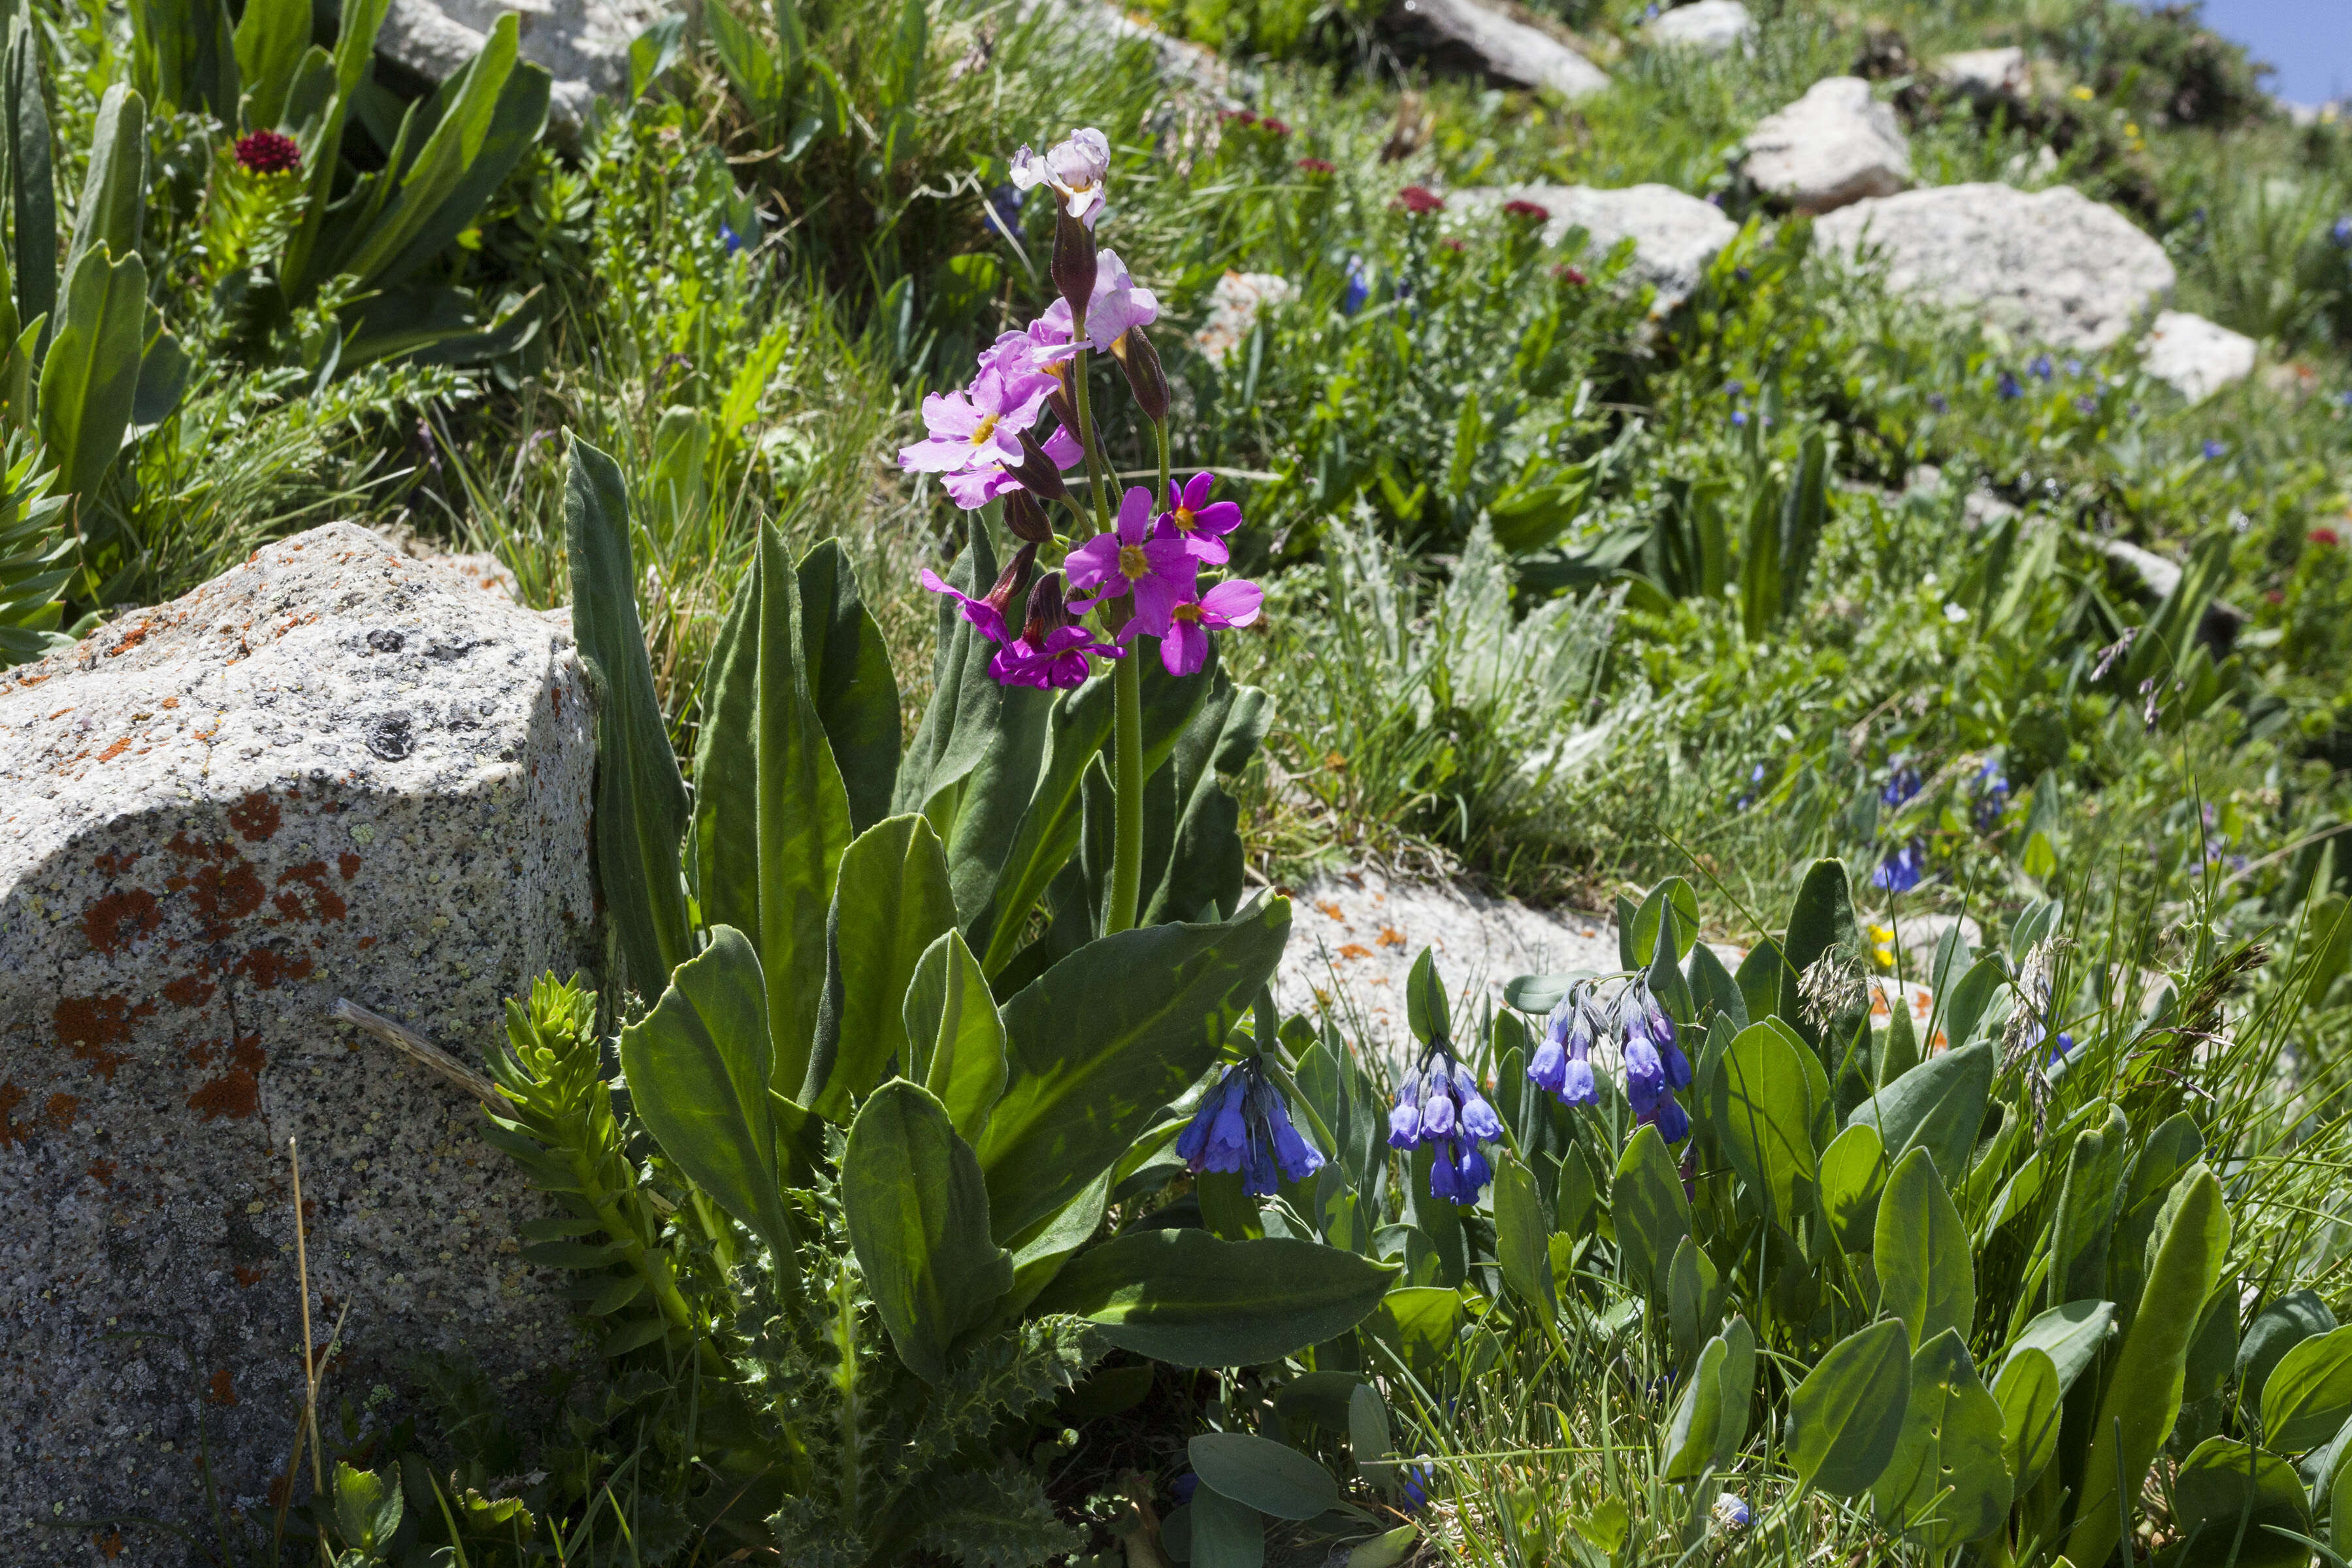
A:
[1224,517]
[1064,449]
[975,487]
[935,456]
[1134,511]
[1196,491]
[950,414]
[1156,599]
[1185,649]
[1172,560]
[1094,564]
[1207,548]
[1233,603]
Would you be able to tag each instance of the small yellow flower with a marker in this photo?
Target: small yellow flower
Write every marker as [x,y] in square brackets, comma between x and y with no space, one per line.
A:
[2085,93]
[1882,946]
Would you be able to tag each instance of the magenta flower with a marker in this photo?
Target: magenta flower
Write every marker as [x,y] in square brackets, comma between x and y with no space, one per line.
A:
[1185,645]
[975,487]
[988,614]
[1199,522]
[1055,663]
[974,428]
[1118,303]
[1076,169]
[1160,572]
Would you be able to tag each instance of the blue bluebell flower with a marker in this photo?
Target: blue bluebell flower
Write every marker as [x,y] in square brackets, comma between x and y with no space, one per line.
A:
[2214,450]
[2060,1046]
[1656,1067]
[2073,367]
[1735,389]
[1939,404]
[1739,419]
[1730,1512]
[1243,1125]
[1359,287]
[1901,871]
[1902,784]
[1183,1487]
[1439,1107]
[1420,1480]
[1562,1065]
[728,237]
[1755,783]
[2008,387]
[1992,797]
[2342,234]
[2041,369]
[2086,406]
[1005,206]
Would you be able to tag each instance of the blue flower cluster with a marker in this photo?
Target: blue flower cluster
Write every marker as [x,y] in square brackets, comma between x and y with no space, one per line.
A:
[1992,797]
[1902,784]
[1440,1108]
[1903,870]
[1244,1125]
[1656,1067]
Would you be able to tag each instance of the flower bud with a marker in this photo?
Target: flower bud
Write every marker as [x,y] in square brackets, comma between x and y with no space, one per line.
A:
[1073,266]
[1065,409]
[1026,519]
[1144,376]
[1048,612]
[1036,471]
[1013,579]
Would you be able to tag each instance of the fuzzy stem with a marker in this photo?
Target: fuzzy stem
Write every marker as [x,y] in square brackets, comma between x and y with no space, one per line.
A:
[1097,471]
[1127,742]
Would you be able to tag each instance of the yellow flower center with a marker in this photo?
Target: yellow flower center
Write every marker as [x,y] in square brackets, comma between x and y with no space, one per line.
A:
[1132,562]
[1185,521]
[1186,612]
[985,429]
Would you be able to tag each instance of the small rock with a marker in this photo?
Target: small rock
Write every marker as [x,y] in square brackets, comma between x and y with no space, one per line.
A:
[1468,36]
[1234,307]
[1675,235]
[2052,267]
[1833,147]
[583,44]
[1918,934]
[2196,356]
[1988,73]
[332,771]
[1708,27]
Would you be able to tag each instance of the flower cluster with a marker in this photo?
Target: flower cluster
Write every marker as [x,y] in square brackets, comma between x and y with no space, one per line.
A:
[1991,796]
[1244,1126]
[1439,1107]
[267,153]
[1655,1068]
[1420,201]
[1142,571]
[1903,869]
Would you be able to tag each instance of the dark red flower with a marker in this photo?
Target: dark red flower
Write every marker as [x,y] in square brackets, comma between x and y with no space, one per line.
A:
[1318,165]
[1455,246]
[1420,200]
[1527,210]
[267,153]
[1236,117]
[1568,274]
[2274,597]
[2326,536]
[1274,127]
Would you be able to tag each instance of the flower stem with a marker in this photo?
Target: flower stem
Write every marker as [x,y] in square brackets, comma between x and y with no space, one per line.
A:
[1097,479]
[1160,430]
[1127,842]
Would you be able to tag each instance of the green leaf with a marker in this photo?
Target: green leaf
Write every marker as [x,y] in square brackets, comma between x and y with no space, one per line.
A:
[1677,892]
[1099,1042]
[1427,1011]
[1969,1002]
[2143,1391]
[1762,1109]
[1938,1106]
[90,377]
[1949,1480]
[1693,1298]
[2277,1329]
[955,1035]
[1421,1323]
[890,903]
[1926,1279]
[1186,1298]
[1225,1534]
[113,206]
[697,1073]
[1759,978]
[2309,1393]
[1845,1417]
[2086,1216]
[1690,1442]
[1368,1436]
[1854,1176]
[2028,1392]
[31,181]
[850,681]
[1714,988]
[916,1210]
[270,40]
[1651,1211]
[2228,1497]
[1272,1478]
[367,1509]
[1522,1238]
[771,814]
[1049,1247]
[1385,1550]
[2071,1335]
[641,805]
[1822,919]
[657,46]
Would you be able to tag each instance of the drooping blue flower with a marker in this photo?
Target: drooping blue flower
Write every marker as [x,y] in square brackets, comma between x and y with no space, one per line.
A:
[2214,450]
[1735,389]
[728,237]
[1439,1107]
[1901,871]
[1656,1067]
[1005,206]
[2008,387]
[1992,797]
[2041,369]
[1359,287]
[1420,1480]
[2073,367]
[1739,419]
[1243,1125]
[1562,1065]
[1902,784]
[1730,1512]
[2086,406]
[2342,234]
[2060,1046]
[1184,1486]
[1755,783]
[1939,404]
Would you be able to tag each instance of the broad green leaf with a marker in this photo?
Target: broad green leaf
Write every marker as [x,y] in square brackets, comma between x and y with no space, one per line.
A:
[1674,892]
[2277,1329]
[1714,989]
[1759,978]
[1853,1177]
[1949,1480]
[1900,1052]
[1386,1550]
[2226,1498]
[1225,1534]
[2309,1393]
[697,1074]
[2213,1348]
[2071,1336]
[1763,1111]
[917,1211]
[32,189]
[1821,919]
[1050,1246]
[1427,1011]
[1270,1477]
[1846,1416]
[1970,1001]
[2143,1391]
[1650,1208]
[368,1506]
[270,40]
[850,681]
[890,903]
[1938,1106]
[1421,1323]
[956,1036]
[770,816]
[1193,858]
[641,805]
[1522,1238]
[91,378]
[1693,1298]
[1690,1441]
[2085,1218]
[2175,1145]
[1367,1435]
[113,206]
[1926,1276]
[1102,1040]
[2028,1392]
[1186,1298]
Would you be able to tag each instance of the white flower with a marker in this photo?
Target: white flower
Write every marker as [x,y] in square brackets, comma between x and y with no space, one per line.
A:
[1955,613]
[1075,168]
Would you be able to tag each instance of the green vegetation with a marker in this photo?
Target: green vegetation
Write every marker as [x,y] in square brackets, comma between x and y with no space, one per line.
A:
[1789,616]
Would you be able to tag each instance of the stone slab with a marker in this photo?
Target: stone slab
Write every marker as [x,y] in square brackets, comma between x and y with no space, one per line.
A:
[1835,146]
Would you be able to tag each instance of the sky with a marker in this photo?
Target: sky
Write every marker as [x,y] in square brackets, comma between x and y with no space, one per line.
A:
[2310,42]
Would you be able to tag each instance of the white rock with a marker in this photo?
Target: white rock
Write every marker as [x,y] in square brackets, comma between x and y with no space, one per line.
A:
[1710,27]
[2198,357]
[1988,73]
[1234,307]
[331,771]
[2052,267]
[583,44]
[1471,35]
[1830,149]
[1675,235]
